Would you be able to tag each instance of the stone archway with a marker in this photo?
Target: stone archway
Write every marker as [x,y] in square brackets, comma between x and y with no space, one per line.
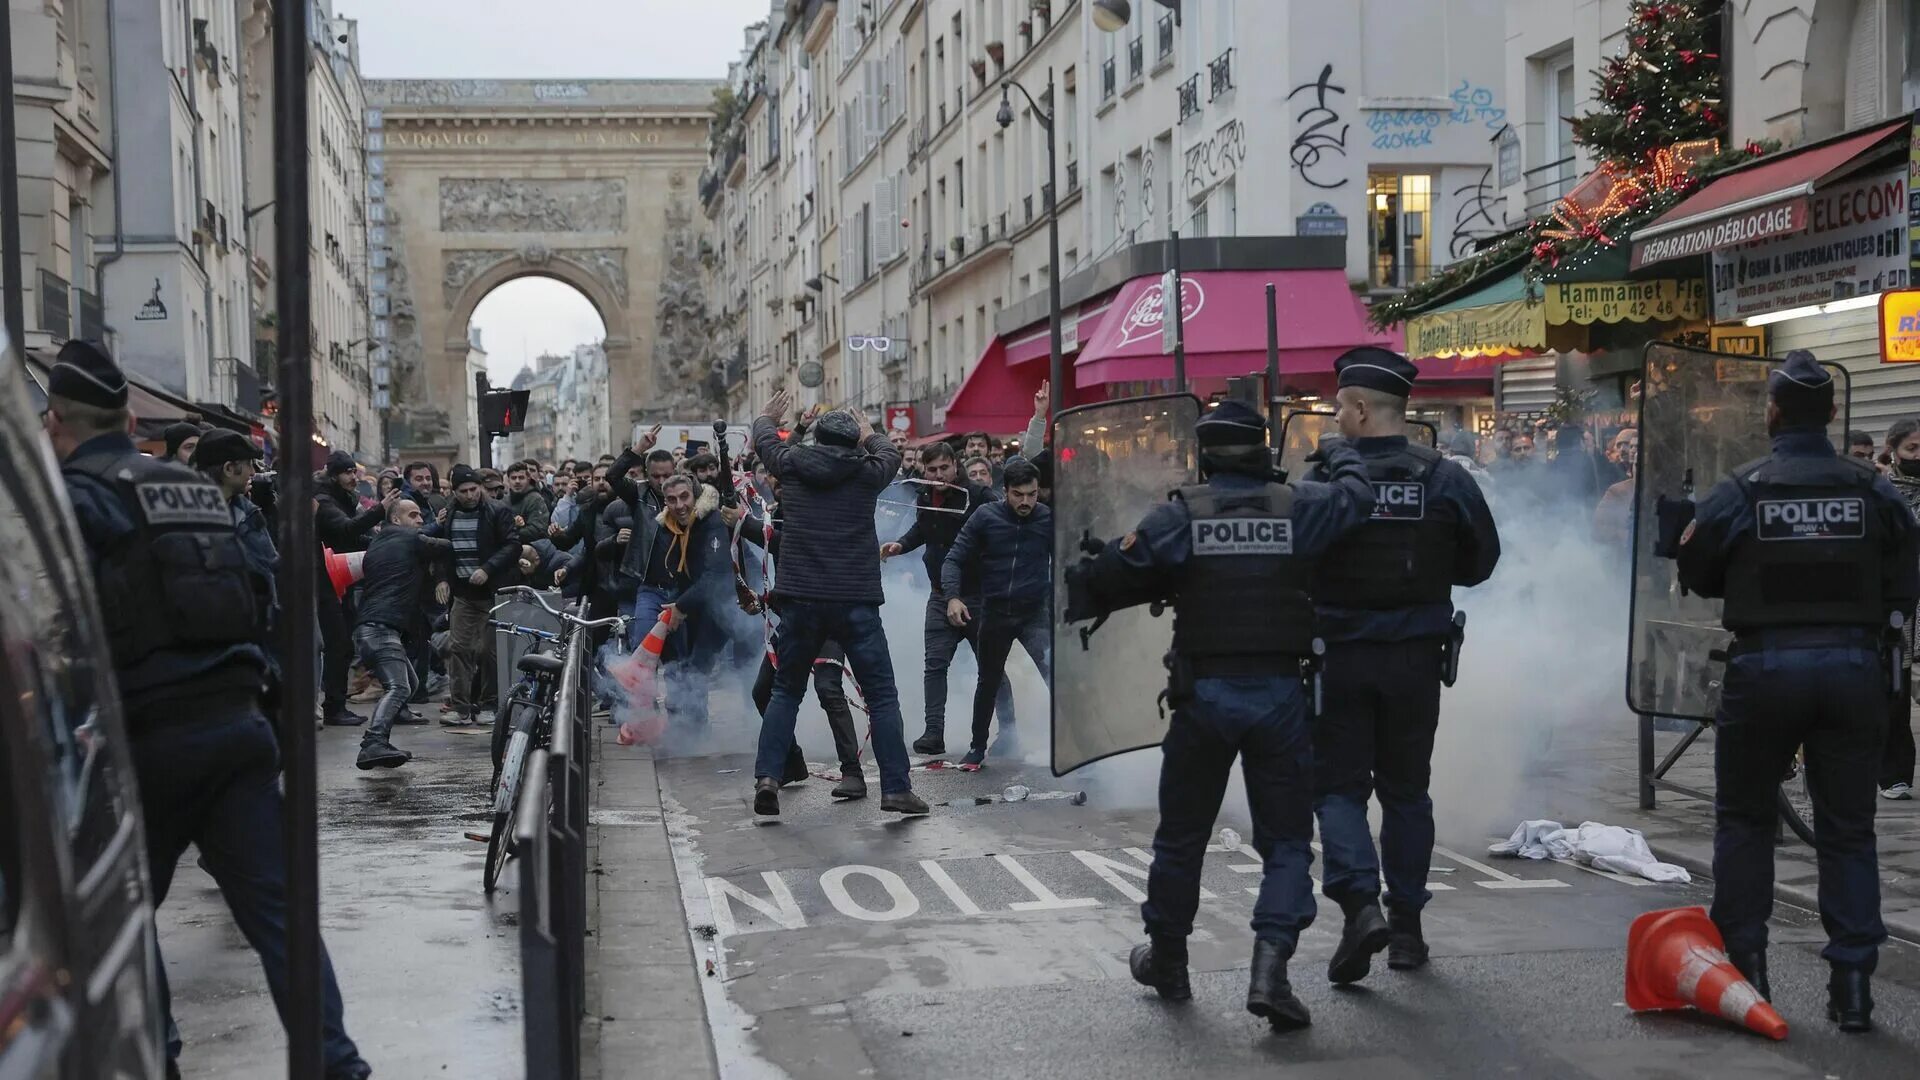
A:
[589,183]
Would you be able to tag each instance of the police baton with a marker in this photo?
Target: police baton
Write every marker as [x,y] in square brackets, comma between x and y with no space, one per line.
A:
[1450,653]
[1897,638]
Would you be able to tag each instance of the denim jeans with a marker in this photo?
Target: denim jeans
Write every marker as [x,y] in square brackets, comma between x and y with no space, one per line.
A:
[1263,721]
[993,644]
[214,783]
[805,628]
[942,641]
[1832,702]
[1382,706]
[382,650]
[643,610]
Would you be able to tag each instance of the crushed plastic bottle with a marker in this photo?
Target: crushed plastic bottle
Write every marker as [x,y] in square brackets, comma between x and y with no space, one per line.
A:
[1230,839]
[1015,793]
[1079,798]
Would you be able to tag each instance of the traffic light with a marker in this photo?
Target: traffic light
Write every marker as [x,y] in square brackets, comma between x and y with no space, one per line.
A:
[503,412]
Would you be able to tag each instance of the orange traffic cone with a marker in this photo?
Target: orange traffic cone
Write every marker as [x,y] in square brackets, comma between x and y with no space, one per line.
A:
[1676,958]
[638,675]
[343,570]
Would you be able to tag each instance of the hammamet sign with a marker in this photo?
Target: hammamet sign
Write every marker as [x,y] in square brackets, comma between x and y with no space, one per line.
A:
[1771,221]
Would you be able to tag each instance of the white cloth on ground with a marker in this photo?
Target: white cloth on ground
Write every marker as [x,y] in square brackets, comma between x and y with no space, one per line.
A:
[1605,847]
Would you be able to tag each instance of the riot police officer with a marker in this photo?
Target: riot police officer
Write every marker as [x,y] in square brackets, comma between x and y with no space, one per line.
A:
[183,617]
[1810,552]
[1235,555]
[1385,609]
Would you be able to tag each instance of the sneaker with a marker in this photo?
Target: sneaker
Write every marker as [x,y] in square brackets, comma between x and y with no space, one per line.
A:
[1007,743]
[932,744]
[345,718]
[975,757]
[380,755]
[1897,791]
[368,696]
[903,802]
[452,717]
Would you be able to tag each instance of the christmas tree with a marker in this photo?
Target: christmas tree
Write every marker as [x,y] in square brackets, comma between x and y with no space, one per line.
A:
[1664,90]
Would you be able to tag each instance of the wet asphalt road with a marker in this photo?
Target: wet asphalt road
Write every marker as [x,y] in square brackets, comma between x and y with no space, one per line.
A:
[429,968]
[991,940]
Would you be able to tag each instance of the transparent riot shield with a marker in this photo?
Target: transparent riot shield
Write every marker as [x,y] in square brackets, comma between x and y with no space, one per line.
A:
[1702,414]
[1112,462]
[1300,434]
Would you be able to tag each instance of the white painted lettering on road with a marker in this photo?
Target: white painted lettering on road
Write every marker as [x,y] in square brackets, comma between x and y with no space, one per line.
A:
[947,885]
[780,908]
[834,884]
[1044,898]
[1500,880]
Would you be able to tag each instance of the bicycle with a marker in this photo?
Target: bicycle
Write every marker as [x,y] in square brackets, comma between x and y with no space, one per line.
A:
[524,722]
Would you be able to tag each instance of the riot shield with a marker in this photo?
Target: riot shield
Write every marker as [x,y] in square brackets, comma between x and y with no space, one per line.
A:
[1300,434]
[1112,463]
[1702,414]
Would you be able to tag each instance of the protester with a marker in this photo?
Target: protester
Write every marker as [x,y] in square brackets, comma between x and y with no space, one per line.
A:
[403,568]
[530,510]
[180,440]
[644,584]
[1860,446]
[484,553]
[1009,543]
[1613,517]
[1897,760]
[342,526]
[980,472]
[495,485]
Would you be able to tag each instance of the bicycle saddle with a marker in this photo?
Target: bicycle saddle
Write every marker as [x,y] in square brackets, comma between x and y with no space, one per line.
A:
[537,663]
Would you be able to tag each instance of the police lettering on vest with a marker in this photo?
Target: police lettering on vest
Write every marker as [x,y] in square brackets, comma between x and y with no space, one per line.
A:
[1243,536]
[1404,553]
[1244,591]
[1812,519]
[1399,500]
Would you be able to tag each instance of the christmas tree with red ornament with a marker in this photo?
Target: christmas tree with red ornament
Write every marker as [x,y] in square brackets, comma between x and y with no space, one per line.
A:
[1663,93]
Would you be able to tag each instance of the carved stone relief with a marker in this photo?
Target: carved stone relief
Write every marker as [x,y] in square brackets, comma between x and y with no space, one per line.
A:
[462,266]
[607,264]
[544,206]
[691,374]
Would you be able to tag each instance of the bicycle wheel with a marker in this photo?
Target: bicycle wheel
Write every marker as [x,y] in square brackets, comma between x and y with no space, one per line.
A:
[500,840]
[1796,802]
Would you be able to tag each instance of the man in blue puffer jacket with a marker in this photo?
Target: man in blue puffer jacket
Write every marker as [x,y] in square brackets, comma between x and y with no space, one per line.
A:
[1010,545]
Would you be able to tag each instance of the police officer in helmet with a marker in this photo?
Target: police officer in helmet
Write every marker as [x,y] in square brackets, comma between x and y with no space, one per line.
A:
[1385,609]
[1810,552]
[183,615]
[1235,556]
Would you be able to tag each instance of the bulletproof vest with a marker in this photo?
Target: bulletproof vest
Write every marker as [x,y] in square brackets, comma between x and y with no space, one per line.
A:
[1813,557]
[181,580]
[1402,555]
[1245,591]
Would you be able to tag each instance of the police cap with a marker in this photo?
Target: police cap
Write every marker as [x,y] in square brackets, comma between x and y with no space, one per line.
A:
[86,374]
[1231,423]
[219,446]
[1371,368]
[1801,379]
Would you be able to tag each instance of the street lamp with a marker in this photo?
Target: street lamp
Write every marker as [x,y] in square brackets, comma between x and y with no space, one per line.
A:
[1111,15]
[1055,358]
[813,283]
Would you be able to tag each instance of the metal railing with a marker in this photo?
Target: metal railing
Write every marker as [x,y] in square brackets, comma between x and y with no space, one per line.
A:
[1106,79]
[1548,184]
[550,842]
[1163,37]
[1136,58]
[1219,75]
[1189,98]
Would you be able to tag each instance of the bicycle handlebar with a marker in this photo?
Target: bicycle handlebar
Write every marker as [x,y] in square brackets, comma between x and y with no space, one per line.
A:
[558,613]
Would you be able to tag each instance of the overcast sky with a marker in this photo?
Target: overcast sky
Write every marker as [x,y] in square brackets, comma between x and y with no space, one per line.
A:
[547,39]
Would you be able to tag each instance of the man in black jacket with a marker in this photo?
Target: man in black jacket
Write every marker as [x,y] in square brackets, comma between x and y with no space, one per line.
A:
[340,524]
[941,513]
[828,587]
[402,569]
[484,553]
[1010,545]
[694,553]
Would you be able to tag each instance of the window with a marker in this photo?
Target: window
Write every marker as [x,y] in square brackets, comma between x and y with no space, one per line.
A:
[1397,228]
[1230,207]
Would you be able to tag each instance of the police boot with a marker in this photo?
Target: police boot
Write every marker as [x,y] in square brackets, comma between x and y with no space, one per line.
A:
[1406,947]
[1753,968]
[1269,994]
[380,755]
[1850,1000]
[1162,964]
[1366,933]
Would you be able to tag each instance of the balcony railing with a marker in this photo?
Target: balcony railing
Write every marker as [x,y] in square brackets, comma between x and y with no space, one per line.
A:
[1136,58]
[1163,37]
[1002,223]
[1073,177]
[1027,200]
[1220,75]
[1106,79]
[1548,184]
[1189,99]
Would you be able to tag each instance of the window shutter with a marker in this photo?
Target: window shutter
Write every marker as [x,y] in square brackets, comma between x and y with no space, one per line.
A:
[1865,49]
[883,217]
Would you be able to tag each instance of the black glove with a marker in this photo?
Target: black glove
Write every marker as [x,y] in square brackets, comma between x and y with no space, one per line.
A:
[1671,517]
[1081,603]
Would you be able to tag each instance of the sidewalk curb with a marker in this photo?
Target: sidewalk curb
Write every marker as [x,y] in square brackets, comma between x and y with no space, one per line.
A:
[1702,869]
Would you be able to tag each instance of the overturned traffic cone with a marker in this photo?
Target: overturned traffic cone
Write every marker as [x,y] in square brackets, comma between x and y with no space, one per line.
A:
[1676,959]
[343,570]
[639,676]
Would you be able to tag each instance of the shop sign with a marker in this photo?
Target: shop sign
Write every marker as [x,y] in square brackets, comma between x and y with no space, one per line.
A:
[1913,199]
[1900,326]
[1855,244]
[1738,340]
[1588,302]
[1489,330]
[900,418]
[1763,224]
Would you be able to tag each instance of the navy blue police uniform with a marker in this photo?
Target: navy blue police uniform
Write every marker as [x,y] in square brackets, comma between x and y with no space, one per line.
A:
[1235,556]
[1385,609]
[184,612]
[1809,552]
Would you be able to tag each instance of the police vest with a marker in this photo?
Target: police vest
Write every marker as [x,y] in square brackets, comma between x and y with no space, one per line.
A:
[1404,554]
[181,580]
[1245,591]
[1813,557]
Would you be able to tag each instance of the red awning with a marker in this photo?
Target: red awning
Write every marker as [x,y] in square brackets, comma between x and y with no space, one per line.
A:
[996,396]
[1226,327]
[1035,342]
[1755,202]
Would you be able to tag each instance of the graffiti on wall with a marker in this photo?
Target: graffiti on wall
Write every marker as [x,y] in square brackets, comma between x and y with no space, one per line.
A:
[1315,140]
[1401,129]
[1217,158]
[1473,217]
[1146,187]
